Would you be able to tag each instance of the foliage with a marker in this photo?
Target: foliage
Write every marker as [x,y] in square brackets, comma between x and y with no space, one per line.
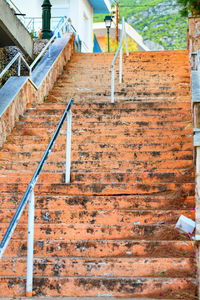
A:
[189,6]
[156,20]
[132,46]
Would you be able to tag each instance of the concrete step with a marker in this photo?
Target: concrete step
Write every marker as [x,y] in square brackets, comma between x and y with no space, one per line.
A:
[102,188]
[91,232]
[141,176]
[99,217]
[167,146]
[161,201]
[104,249]
[102,267]
[176,288]
[101,156]
[96,166]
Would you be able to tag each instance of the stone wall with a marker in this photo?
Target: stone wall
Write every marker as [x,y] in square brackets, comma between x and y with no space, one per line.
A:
[28,93]
[194,40]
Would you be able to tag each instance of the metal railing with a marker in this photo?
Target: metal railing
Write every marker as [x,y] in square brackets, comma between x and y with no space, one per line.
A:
[65,26]
[29,197]
[119,50]
[34,24]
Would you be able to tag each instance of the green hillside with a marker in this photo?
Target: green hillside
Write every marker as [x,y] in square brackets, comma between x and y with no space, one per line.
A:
[156,20]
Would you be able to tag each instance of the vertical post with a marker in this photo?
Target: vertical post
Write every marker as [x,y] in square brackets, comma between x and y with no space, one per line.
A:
[46,19]
[29,281]
[120,65]
[197,194]
[112,84]
[117,23]
[127,51]
[197,200]
[68,148]
[33,22]
[19,66]
[108,34]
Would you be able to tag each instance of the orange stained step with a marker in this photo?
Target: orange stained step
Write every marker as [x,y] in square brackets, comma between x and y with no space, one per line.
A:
[111,231]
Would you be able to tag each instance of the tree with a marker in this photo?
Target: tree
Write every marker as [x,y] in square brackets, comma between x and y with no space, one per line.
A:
[189,6]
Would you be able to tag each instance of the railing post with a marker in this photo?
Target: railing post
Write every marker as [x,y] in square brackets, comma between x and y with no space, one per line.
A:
[19,66]
[112,84]
[120,65]
[29,280]
[127,51]
[68,148]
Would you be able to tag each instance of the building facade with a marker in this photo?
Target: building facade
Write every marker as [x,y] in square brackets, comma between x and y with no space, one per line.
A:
[80,12]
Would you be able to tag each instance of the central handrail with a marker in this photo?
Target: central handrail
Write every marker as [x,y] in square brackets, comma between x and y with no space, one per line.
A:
[120,49]
[29,196]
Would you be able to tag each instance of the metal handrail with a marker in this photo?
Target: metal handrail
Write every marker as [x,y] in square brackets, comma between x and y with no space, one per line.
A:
[19,56]
[10,64]
[29,196]
[120,49]
[48,44]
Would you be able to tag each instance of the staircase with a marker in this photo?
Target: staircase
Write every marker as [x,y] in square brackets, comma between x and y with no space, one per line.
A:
[111,231]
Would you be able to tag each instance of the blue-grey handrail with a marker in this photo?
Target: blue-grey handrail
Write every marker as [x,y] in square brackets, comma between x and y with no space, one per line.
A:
[32,183]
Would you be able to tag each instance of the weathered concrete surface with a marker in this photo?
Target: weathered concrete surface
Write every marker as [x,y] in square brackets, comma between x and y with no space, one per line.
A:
[12,31]
[111,231]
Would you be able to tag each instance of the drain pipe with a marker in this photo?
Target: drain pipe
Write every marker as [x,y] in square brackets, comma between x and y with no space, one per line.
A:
[197,202]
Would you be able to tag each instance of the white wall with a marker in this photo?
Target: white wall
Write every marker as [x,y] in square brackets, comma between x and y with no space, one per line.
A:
[79,11]
[81,14]
[32,8]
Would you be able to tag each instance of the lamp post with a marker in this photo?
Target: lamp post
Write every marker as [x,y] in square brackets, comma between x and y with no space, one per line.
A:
[46,19]
[108,22]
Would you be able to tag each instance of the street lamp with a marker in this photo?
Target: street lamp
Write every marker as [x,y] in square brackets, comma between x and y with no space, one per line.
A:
[108,22]
[46,19]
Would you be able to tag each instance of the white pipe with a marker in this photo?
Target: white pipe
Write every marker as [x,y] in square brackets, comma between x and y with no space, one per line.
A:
[127,51]
[19,66]
[29,281]
[68,148]
[120,65]
[197,194]
[10,64]
[112,84]
[197,203]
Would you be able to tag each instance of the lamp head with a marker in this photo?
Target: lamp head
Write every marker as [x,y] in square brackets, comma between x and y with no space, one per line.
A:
[108,21]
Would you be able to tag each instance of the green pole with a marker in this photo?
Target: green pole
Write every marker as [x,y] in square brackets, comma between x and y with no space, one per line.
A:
[46,19]
[108,40]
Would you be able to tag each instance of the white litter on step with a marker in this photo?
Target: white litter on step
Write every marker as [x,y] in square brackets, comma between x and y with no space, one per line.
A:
[185,224]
